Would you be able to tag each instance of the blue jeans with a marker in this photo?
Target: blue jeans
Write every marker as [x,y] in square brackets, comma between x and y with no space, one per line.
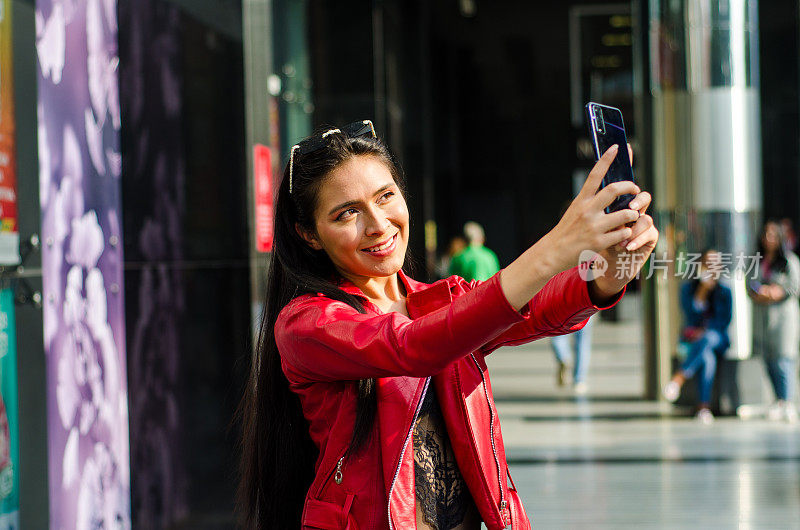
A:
[703,354]
[782,372]
[583,350]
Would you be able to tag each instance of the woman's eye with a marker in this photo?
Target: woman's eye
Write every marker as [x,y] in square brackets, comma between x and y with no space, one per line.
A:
[345,214]
[387,195]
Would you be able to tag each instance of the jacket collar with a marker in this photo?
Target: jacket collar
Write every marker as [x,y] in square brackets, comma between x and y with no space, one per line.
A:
[421,298]
[410,284]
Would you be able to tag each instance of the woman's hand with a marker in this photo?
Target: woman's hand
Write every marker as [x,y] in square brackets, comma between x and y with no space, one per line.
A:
[761,296]
[768,294]
[776,292]
[586,226]
[704,289]
[626,258]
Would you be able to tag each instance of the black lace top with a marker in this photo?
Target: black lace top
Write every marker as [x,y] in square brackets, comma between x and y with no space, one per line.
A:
[443,500]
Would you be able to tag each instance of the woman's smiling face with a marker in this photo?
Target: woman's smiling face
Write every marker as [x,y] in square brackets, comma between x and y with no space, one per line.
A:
[770,237]
[361,219]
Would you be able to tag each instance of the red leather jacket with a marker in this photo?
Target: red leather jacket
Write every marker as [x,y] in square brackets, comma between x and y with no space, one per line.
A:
[326,346]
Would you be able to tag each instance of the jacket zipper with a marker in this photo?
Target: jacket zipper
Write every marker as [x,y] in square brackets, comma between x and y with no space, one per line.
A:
[503,503]
[338,476]
[336,473]
[403,450]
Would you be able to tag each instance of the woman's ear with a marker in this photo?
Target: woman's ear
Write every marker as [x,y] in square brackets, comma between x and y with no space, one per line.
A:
[308,237]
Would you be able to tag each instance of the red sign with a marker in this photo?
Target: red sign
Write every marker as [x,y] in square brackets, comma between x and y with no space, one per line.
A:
[262,173]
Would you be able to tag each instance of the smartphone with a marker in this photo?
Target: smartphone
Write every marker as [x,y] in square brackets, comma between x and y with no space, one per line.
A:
[606,129]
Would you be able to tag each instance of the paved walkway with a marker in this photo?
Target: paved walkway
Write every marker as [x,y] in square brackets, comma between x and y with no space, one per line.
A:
[612,460]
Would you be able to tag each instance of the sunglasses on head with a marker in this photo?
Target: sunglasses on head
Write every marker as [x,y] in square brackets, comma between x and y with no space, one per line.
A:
[309,145]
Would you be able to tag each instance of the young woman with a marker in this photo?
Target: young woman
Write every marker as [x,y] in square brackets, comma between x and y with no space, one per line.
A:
[369,403]
[707,308]
[776,317]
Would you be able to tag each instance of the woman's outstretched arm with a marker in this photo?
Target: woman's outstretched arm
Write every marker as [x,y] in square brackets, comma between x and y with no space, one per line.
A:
[321,339]
[562,306]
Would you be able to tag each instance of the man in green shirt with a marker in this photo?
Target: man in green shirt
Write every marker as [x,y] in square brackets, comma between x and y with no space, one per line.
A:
[475,262]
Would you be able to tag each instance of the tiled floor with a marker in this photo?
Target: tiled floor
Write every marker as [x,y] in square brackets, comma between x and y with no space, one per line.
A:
[612,460]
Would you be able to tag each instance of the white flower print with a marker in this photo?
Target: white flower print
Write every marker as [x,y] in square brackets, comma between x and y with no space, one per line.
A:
[51,43]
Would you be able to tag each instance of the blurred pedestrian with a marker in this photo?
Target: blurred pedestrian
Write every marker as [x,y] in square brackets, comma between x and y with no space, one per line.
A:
[707,306]
[579,356]
[776,317]
[476,262]
[456,246]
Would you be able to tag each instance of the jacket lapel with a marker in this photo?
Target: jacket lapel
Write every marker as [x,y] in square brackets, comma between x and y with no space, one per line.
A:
[428,299]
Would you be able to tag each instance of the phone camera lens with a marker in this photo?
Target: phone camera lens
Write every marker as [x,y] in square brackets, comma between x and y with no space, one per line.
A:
[599,122]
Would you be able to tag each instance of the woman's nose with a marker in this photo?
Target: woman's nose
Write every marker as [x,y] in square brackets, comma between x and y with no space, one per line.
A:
[377,223]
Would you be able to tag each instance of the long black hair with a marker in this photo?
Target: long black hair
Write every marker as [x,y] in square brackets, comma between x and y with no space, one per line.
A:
[277,453]
[779,261]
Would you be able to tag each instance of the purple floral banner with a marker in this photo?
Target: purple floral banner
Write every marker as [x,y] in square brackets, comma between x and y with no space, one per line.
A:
[84,333]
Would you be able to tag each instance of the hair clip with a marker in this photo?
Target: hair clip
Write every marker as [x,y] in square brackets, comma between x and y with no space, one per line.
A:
[291,165]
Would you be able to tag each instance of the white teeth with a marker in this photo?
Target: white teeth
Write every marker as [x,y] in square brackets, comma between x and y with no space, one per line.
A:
[382,247]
